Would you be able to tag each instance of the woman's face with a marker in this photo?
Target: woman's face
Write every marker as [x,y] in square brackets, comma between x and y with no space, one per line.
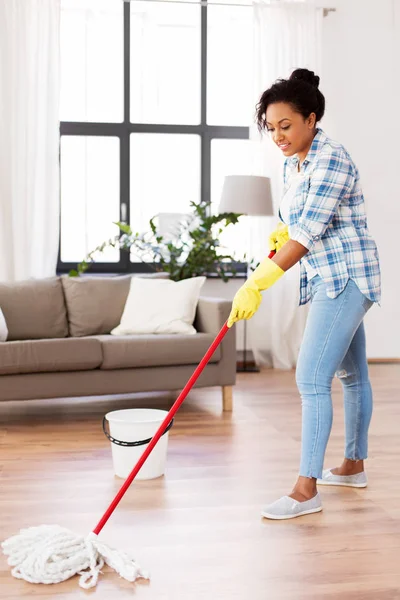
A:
[289,130]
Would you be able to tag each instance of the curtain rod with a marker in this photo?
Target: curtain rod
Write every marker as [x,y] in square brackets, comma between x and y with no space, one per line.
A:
[326,11]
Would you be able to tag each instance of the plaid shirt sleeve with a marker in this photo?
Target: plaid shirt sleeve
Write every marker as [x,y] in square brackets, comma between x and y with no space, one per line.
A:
[332,178]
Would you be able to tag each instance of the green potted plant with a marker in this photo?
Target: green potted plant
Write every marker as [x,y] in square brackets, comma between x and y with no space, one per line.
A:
[194,251]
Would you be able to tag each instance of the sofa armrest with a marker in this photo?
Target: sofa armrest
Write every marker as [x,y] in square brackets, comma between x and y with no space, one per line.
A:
[210,317]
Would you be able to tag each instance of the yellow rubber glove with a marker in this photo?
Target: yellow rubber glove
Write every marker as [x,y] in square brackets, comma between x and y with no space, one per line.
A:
[248,297]
[279,237]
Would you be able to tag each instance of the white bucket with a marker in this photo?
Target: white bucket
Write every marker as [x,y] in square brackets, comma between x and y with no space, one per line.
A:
[134,425]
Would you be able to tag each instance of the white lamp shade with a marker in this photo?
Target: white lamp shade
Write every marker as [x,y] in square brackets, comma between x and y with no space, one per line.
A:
[247,194]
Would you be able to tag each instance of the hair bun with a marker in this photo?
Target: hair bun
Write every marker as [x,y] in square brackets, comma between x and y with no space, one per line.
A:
[306,75]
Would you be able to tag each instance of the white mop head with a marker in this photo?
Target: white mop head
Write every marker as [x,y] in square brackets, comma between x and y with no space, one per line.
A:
[51,554]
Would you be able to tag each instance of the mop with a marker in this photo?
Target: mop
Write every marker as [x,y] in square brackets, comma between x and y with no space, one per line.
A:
[52,554]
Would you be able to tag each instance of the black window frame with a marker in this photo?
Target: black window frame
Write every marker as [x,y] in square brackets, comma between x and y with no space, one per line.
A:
[123,131]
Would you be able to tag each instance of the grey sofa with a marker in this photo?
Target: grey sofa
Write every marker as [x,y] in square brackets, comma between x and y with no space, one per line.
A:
[59,343]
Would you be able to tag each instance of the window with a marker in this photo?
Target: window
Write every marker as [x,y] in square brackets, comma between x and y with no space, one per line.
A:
[92,64]
[90,193]
[154,112]
[164,175]
[229,56]
[165,63]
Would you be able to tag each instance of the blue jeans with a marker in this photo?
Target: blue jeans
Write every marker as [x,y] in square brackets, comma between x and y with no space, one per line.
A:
[333,342]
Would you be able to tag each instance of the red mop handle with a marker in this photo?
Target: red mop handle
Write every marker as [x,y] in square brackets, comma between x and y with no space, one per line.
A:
[161,429]
[163,426]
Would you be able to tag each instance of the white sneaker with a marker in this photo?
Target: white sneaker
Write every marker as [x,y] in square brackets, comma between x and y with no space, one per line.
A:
[288,508]
[357,481]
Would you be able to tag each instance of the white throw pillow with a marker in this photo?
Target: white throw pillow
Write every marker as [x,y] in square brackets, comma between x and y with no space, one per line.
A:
[160,306]
[3,327]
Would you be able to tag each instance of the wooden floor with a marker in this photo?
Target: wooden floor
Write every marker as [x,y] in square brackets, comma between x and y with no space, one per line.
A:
[198,529]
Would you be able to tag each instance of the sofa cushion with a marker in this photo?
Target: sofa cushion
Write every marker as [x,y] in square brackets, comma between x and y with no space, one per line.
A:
[95,304]
[34,309]
[40,356]
[155,350]
[160,307]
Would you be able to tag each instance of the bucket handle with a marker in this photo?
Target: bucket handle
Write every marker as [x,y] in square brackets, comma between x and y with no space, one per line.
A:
[129,444]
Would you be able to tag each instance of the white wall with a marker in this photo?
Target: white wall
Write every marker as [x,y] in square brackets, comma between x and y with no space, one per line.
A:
[361,83]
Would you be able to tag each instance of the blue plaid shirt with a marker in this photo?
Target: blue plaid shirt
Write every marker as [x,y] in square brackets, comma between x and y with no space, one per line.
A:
[328,217]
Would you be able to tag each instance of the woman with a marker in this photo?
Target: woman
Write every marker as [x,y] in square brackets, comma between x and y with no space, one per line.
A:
[323,208]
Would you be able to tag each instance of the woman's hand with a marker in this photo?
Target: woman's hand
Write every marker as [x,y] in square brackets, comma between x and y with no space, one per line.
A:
[279,237]
[245,303]
[248,297]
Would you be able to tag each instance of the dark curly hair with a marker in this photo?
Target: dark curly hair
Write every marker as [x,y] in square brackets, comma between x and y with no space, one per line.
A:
[300,91]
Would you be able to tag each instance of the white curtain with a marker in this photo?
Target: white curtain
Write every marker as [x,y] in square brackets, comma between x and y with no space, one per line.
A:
[29,138]
[287,36]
